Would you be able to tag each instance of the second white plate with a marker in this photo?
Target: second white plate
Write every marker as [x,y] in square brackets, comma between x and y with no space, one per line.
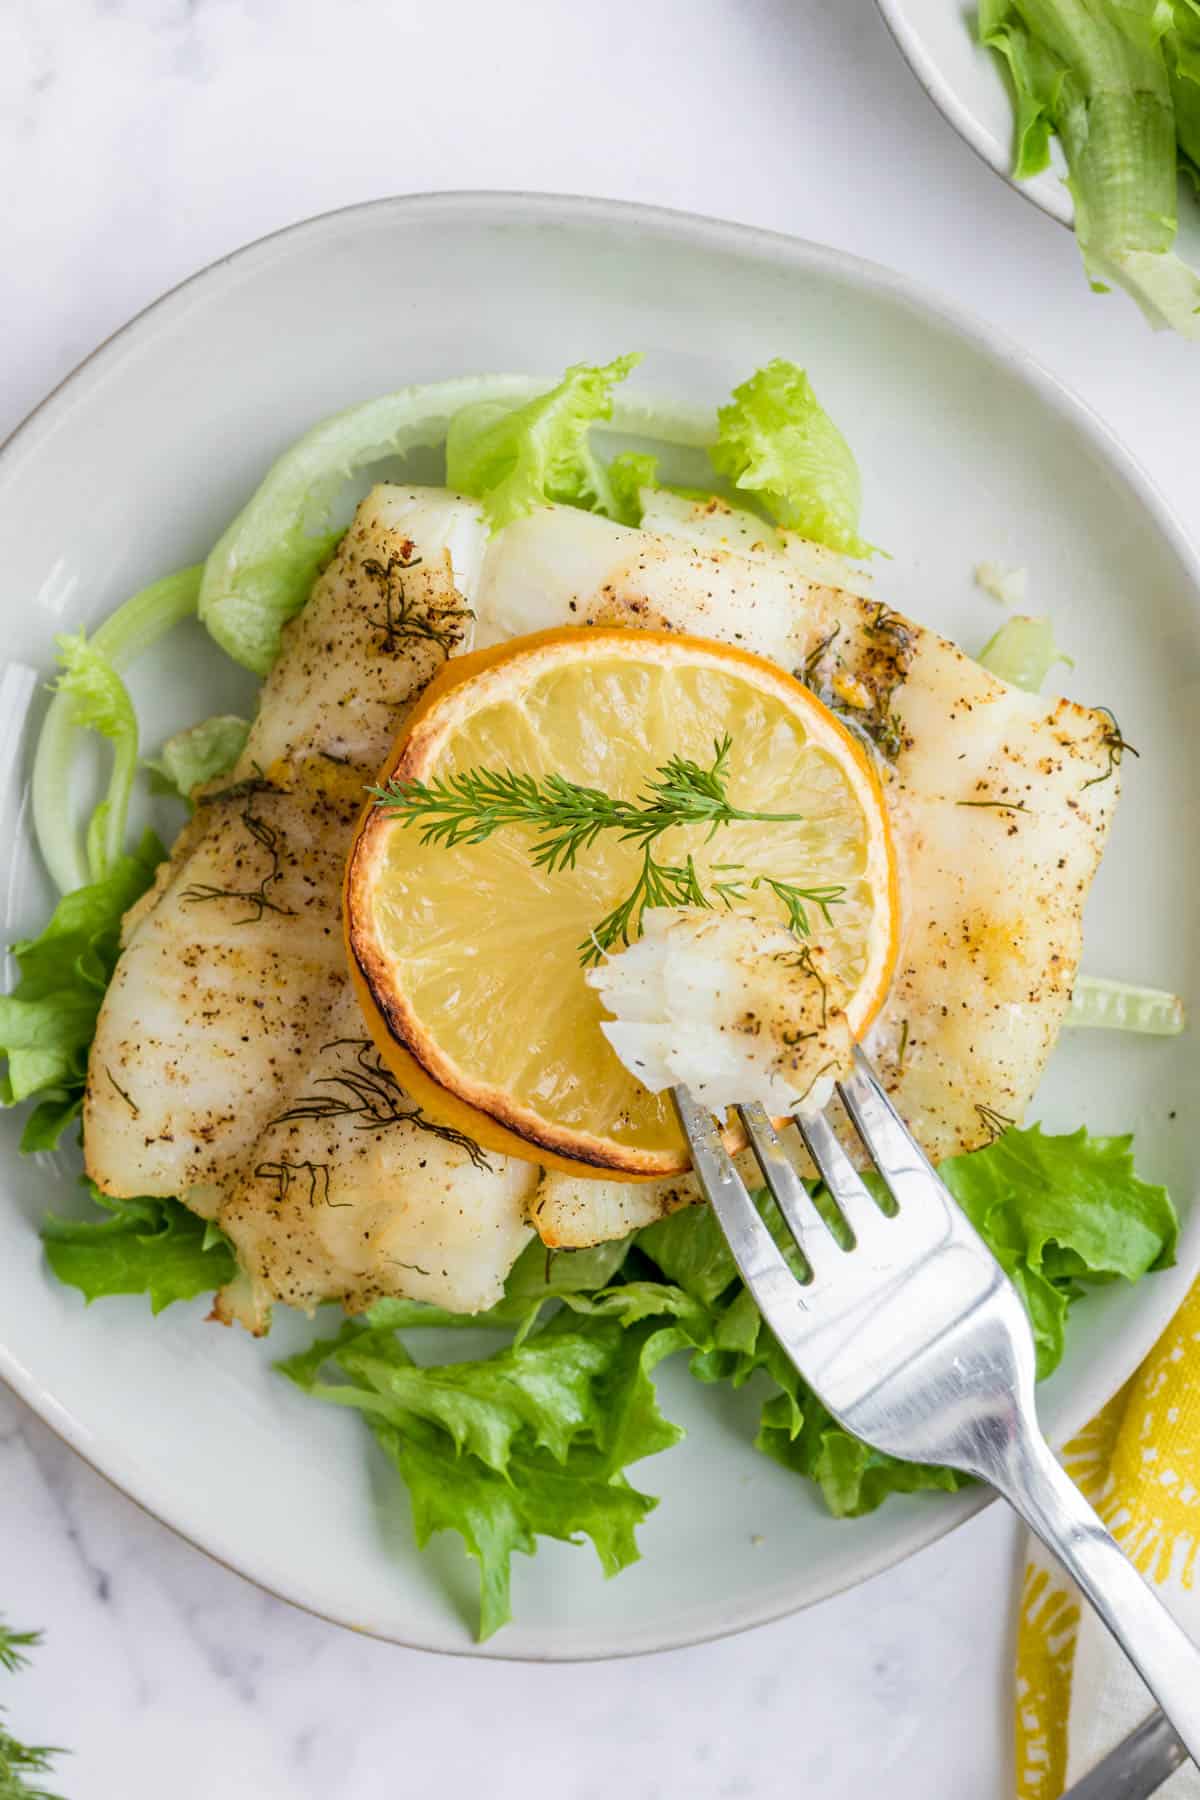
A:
[939,41]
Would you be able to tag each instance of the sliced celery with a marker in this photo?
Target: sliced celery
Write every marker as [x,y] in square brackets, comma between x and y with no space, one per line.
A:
[1125,1006]
[140,622]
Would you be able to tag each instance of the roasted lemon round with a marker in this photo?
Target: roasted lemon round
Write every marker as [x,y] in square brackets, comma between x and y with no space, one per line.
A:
[468,939]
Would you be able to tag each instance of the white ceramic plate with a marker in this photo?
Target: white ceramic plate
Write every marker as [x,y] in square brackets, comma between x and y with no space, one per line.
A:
[968,451]
[938,40]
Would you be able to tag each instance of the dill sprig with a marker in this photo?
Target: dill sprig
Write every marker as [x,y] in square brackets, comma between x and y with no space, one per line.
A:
[364,1088]
[1116,744]
[259,898]
[791,897]
[19,1762]
[403,621]
[13,1646]
[469,806]
[657,884]
[993,1122]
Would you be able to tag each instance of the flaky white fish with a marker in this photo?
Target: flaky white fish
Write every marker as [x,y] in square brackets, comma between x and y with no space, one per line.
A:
[230,1066]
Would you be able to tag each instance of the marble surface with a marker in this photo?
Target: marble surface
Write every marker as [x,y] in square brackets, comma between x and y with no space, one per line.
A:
[143,138]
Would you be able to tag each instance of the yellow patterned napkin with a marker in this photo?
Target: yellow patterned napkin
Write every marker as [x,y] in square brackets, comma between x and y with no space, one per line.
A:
[1139,1465]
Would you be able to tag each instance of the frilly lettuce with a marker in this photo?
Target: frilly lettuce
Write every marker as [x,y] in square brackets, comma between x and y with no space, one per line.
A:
[137,624]
[514,459]
[150,1246]
[776,441]
[531,1442]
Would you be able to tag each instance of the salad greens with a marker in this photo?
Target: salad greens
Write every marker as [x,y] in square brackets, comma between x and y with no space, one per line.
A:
[198,754]
[140,622]
[1023,651]
[775,441]
[262,568]
[148,1246]
[1118,81]
[1125,1006]
[533,1440]
[49,1019]
[629,472]
[514,459]
[514,445]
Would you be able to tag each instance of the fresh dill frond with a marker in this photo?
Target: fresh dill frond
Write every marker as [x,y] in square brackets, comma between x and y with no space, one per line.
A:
[404,621]
[258,899]
[996,805]
[568,818]
[657,884]
[993,1122]
[14,1645]
[21,1762]
[1116,744]
[364,1089]
[788,893]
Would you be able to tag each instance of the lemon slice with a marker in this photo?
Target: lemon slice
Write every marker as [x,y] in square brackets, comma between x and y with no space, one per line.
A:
[467,957]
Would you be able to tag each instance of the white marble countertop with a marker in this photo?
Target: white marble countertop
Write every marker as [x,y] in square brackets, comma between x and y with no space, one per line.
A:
[143,138]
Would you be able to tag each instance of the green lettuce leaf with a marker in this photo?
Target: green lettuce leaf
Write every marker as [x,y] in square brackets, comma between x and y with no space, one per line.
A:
[628,474]
[199,754]
[1104,74]
[1181,46]
[515,459]
[1057,1211]
[776,441]
[48,1021]
[1036,75]
[537,1277]
[797,1432]
[100,702]
[143,1246]
[1023,652]
[1067,1207]
[690,1249]
[262,569]
[532,1442]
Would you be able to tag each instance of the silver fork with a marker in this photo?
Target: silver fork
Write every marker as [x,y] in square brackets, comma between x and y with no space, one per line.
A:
[917,1342]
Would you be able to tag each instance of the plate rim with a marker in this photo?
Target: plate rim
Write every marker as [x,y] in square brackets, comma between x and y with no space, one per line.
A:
[486,206]
[1045,190]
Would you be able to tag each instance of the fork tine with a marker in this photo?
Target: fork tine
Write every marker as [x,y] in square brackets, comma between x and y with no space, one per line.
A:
[850,1193]
[815,1241]
[779,1295]
[899,1158]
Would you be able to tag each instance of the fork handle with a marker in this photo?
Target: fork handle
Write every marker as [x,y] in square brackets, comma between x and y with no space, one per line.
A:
[1031,1480]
